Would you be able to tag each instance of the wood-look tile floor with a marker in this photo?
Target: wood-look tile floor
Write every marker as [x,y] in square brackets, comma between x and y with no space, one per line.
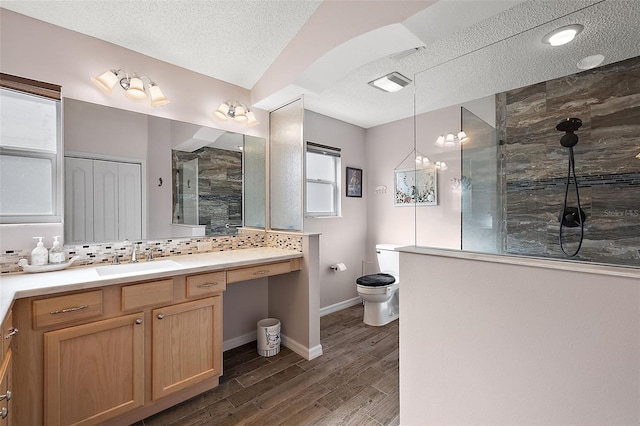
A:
[354,382]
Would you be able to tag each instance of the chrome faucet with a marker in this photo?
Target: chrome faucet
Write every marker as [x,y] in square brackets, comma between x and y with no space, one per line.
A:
[150,254]
[134,256]
[116,260]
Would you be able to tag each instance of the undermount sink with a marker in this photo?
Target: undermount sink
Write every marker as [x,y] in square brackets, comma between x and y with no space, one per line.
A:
[128,268]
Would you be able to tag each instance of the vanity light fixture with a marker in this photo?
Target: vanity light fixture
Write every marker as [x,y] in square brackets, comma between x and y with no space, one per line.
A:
[562,35]
[390,82]
[133,86]
[239,112]
[450,139]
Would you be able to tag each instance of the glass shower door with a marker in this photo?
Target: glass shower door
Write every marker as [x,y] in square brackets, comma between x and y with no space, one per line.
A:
[480,187]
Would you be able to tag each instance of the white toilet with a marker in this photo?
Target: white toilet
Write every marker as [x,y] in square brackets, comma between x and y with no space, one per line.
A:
[380,292]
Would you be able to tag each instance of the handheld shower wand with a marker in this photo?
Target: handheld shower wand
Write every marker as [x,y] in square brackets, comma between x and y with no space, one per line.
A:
[571,217]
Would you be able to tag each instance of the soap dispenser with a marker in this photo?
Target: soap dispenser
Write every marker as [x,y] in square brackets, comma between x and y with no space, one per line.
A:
[39,255]
[56,254]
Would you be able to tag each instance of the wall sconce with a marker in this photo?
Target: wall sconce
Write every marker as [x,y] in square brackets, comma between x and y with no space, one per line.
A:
[133,86]
[441,165]
[422,160]
[239,112]
[450,139]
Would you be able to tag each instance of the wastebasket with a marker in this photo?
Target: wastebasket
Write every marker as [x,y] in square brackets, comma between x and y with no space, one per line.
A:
[268,337]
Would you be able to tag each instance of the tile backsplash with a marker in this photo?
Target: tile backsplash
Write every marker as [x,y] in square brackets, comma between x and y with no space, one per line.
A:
[90,254]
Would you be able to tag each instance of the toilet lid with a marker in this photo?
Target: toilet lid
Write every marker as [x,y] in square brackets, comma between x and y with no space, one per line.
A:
[376,280]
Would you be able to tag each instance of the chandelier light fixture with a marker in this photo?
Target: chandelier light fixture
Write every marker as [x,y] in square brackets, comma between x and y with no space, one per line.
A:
[134,86]
[450,139]
[238,112]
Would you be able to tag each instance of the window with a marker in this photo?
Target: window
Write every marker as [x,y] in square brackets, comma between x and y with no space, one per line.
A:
[323,180]
[30,152]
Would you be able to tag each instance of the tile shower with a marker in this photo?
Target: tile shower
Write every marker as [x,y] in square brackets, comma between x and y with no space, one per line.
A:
[534,164]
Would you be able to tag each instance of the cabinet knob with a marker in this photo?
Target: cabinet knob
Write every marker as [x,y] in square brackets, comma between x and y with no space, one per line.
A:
[4,413]
[139,321]
[6,396]
[160,316]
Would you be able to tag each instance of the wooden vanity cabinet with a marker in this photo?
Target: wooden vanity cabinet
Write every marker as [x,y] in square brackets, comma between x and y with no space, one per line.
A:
[117,354]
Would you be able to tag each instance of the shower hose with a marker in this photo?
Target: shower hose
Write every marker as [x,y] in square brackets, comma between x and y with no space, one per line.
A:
[572,170]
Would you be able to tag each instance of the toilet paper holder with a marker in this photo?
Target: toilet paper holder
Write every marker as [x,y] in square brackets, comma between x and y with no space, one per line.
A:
[338,267]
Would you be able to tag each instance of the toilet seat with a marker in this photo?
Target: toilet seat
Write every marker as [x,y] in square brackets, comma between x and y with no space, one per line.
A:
[376,280]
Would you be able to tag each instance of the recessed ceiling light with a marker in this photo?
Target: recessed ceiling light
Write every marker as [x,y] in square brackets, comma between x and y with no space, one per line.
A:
[390,82]
[590,62]
[562,35]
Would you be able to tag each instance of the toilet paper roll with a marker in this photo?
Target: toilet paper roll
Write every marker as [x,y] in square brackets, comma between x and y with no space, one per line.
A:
[340,267]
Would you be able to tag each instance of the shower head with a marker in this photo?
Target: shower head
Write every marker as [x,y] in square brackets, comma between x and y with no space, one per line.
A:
[569,126]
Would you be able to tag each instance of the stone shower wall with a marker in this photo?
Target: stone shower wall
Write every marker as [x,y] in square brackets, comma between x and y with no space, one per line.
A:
[219,188]
[607,100]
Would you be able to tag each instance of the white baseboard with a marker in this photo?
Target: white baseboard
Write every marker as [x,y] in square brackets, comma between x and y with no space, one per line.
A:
[240,340]
[340,306]
[300,349]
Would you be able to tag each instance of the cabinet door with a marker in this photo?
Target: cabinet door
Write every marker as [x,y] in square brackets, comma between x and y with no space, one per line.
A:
[78,200]
[95,371]
[105,202]
[6,386]
[129,202]
[187,345]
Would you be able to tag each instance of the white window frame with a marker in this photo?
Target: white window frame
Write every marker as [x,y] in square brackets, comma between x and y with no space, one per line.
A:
[56,171]
[335,153]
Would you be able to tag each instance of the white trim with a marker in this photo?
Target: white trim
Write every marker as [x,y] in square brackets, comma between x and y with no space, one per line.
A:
[240,340]
[340,306]
[307,353]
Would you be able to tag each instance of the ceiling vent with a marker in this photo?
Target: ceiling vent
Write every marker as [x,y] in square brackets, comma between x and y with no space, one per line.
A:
[390,82]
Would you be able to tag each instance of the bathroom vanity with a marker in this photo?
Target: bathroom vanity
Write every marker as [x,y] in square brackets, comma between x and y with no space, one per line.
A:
[103,346]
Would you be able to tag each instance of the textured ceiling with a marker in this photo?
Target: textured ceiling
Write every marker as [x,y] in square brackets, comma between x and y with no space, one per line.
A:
[472,48]
[233,41]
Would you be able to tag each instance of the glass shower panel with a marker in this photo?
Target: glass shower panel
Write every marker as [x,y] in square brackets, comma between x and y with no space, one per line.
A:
[187,192]
[480,186]
[286,153]
[254,186]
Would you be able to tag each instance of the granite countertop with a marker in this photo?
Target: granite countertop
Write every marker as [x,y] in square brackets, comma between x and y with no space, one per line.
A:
[16,286]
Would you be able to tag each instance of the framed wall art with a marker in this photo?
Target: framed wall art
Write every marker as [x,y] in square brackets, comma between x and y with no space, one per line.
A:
[416,187]
[354,182]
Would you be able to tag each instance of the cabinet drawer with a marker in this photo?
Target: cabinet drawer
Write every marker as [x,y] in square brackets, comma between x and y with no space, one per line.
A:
[260,271]
[69,308]
[206,284]
[147,294]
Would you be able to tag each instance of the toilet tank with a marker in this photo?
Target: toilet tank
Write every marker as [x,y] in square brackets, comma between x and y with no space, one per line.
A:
[388,259]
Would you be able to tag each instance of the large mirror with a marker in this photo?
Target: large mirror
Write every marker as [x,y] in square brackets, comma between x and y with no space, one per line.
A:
[137,177]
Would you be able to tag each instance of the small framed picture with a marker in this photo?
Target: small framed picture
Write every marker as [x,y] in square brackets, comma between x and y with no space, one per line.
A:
[354,182]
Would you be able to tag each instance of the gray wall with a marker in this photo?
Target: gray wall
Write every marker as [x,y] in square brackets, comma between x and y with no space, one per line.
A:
[343,239]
